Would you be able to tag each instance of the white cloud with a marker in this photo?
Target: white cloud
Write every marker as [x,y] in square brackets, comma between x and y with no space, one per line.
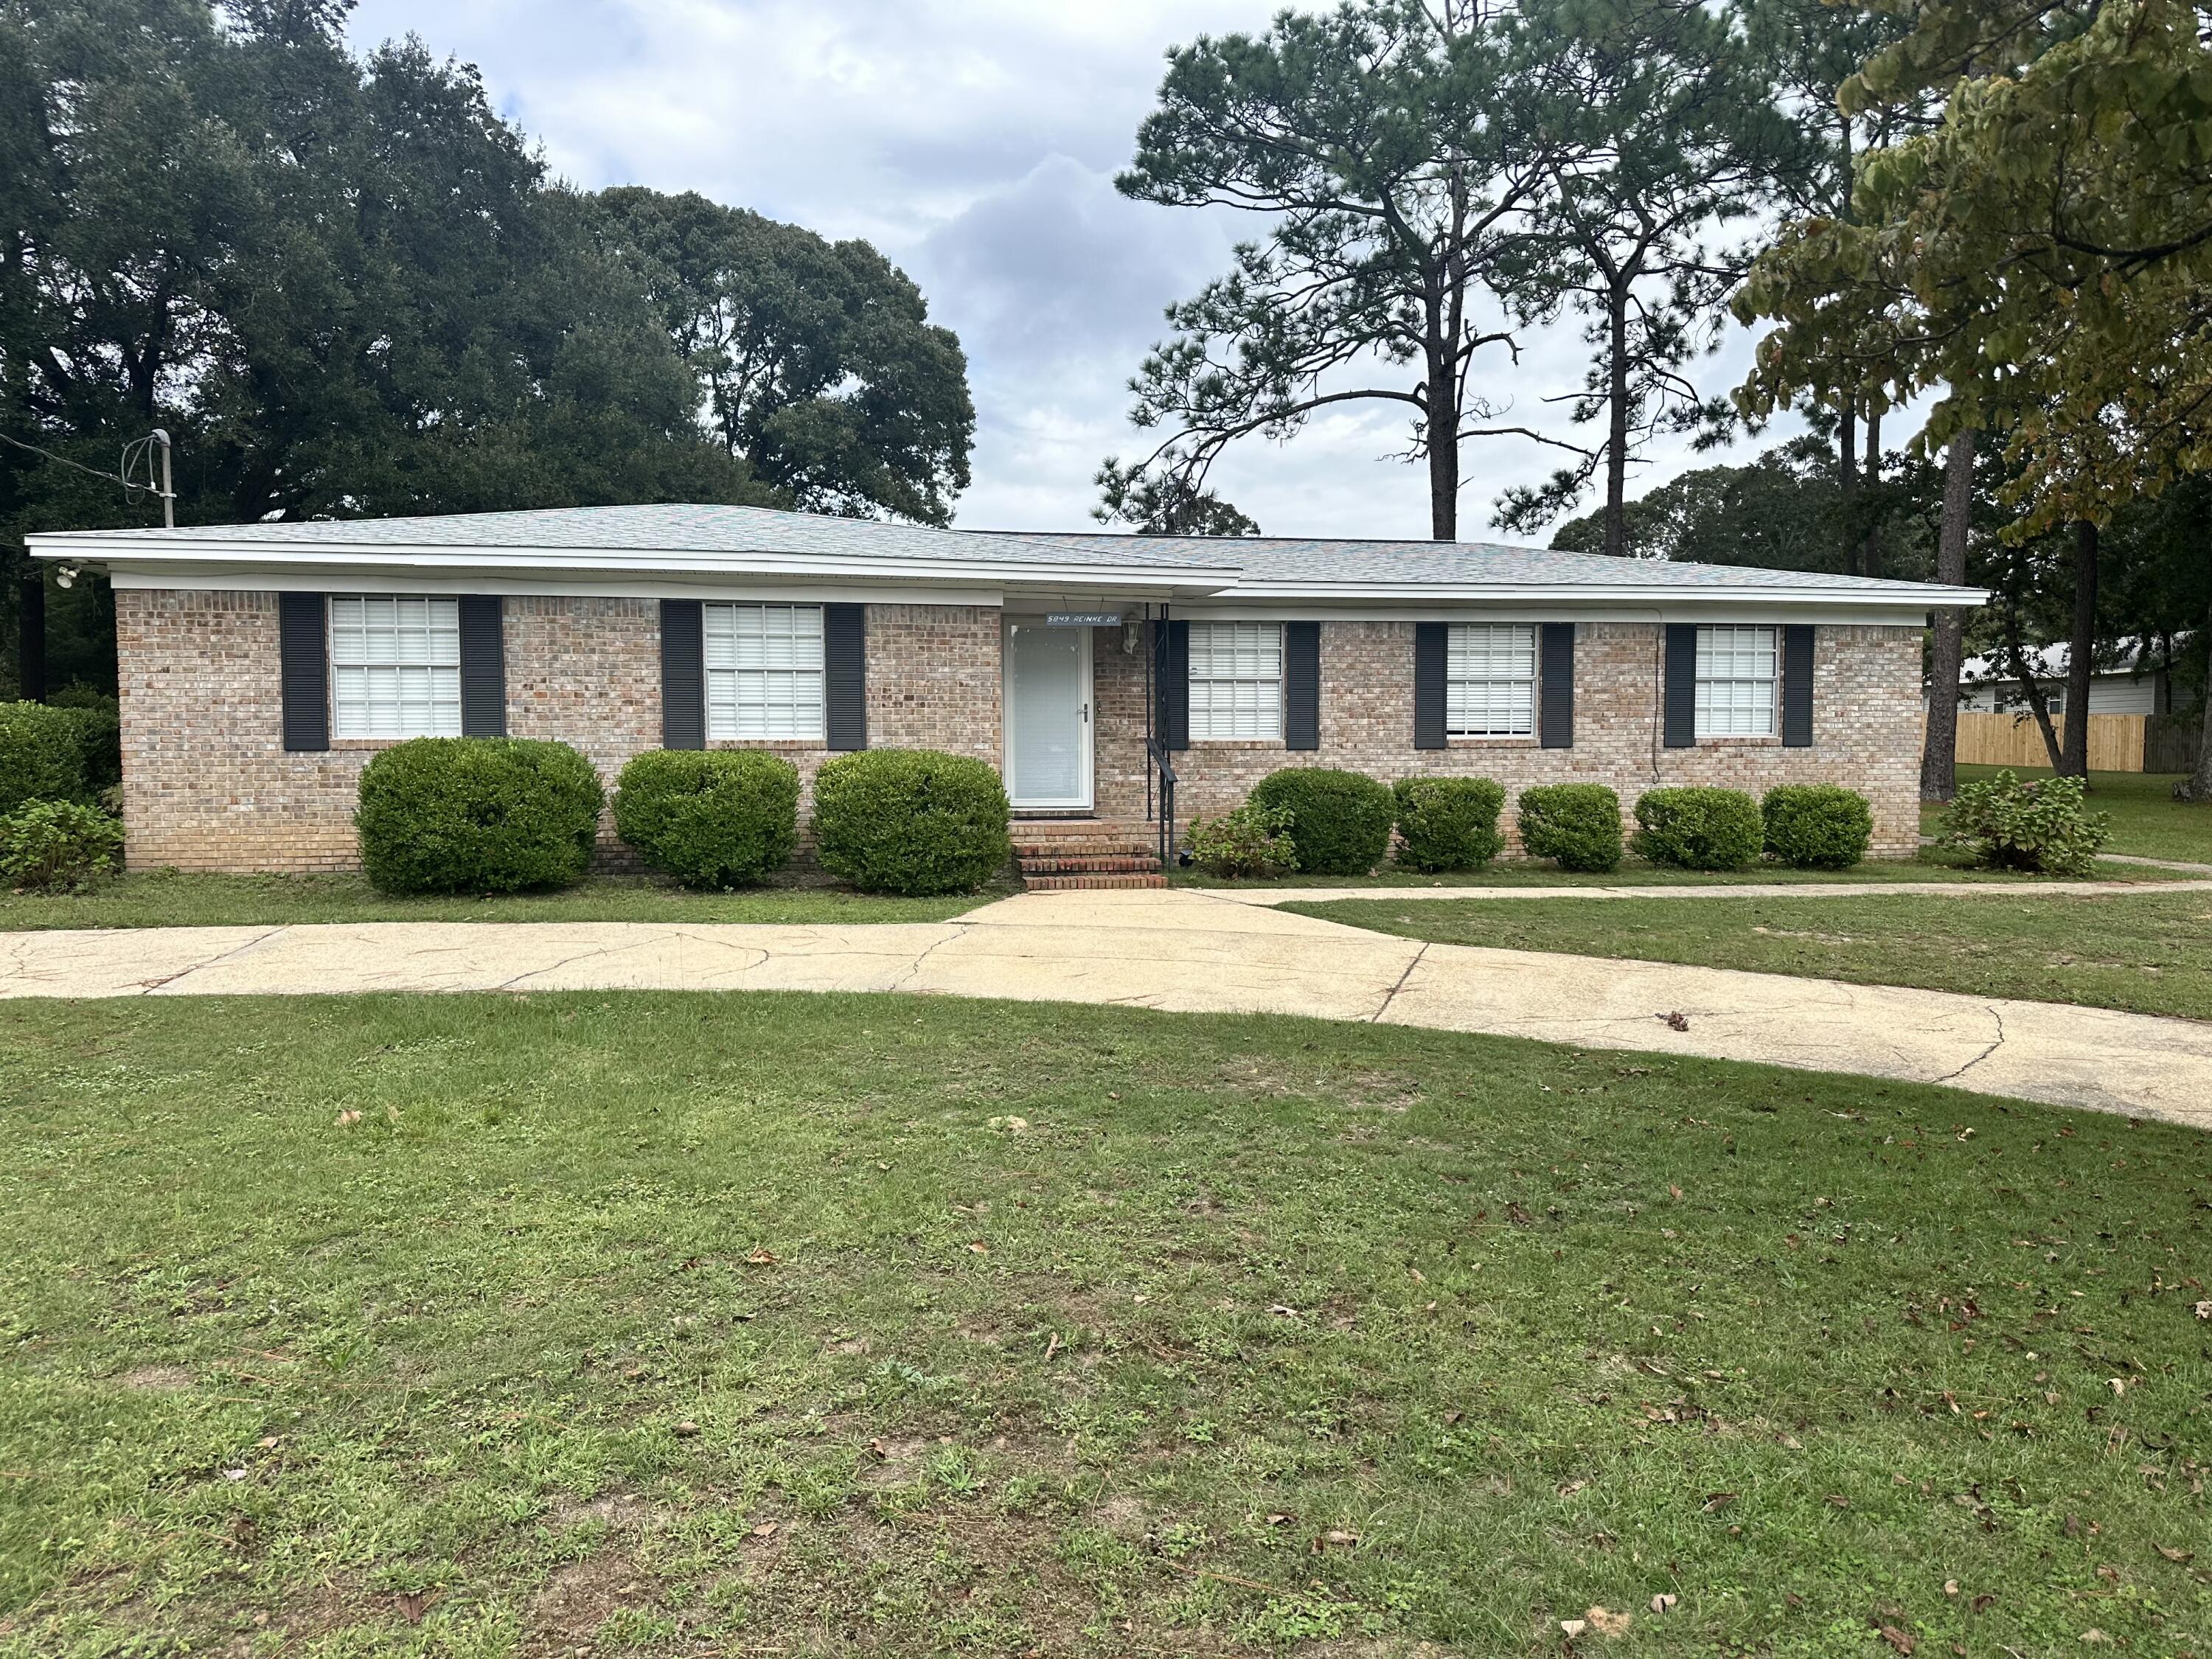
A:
[975,142]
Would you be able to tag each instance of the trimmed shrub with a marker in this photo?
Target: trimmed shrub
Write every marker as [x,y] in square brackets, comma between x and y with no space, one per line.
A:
[2041,827]
[99,719]
[1699,829]
[1816,826]
[912,821]
[718,817]
[41,755]
[1252,841]
[1448,824]
[1577,825]
[1339,821]
[476,815]
[59,846]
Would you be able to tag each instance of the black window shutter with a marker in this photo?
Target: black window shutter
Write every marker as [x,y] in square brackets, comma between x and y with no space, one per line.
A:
[483,667]
[1681,694]
[303,646]
[1797,686]
[1172,676]
[1431,649]
[1302,685]
[1555,695]
[683,675]
[845,675]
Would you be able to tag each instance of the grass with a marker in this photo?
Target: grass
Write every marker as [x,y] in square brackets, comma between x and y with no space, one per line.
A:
[172,898]
[658,1324]
[2148,953]
[2146,821]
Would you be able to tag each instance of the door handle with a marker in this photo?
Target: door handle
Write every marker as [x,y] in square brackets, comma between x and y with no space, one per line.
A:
[1086,714]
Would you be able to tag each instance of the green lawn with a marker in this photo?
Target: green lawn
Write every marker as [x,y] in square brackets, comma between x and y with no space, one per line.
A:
[665,1325]
[2146,821]
[2147,953]
[170,898]
[1933,864]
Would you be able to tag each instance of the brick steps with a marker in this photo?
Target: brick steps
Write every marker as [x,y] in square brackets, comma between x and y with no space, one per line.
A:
[1057,854]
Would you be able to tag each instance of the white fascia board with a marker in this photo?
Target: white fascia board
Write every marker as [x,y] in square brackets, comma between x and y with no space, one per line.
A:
[1362,599]
[213,556]
[1826,616]
[573,588]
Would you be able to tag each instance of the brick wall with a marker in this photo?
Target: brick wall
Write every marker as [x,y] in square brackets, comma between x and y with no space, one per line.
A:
[208,785]
[1866,732]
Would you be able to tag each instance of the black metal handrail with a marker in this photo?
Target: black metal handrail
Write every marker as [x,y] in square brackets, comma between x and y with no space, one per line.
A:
[1158,752]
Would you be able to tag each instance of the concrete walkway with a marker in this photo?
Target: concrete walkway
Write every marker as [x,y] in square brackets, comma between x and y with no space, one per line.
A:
[1192,952]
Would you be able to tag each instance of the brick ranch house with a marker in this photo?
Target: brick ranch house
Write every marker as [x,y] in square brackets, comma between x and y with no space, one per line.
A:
[262,664]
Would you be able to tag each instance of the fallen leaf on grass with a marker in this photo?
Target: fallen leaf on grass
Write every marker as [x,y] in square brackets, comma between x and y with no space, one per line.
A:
[763,1529]
[1607,1624]
[1717,1501]
[348,1119]
[1897,1638]
[1664,1601]
[977,1247]
[686,1429]
[762,1258]
[2179,1556]
[1279,1519]
[1570,1628]
[411,1604]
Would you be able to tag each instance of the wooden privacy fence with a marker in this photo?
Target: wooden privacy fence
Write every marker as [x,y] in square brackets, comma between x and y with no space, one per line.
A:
[2116,741]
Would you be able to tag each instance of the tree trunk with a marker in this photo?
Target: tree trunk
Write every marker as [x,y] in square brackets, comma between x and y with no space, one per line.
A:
[1444,457]
[1870,552]
[2073,760]
[2197,786]
[1616,443]
[31,637]
[1939,755]
[1848,437]
[2031,688]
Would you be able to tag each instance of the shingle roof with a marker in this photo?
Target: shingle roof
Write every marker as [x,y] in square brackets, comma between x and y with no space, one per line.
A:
[1262,562]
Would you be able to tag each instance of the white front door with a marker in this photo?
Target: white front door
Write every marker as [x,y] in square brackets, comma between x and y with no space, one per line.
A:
[1048,715]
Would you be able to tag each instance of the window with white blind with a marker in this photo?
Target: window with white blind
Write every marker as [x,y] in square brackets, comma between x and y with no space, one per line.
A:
[1490,680]
[764,672]
[395,667]
[1739,682]
[1236,680]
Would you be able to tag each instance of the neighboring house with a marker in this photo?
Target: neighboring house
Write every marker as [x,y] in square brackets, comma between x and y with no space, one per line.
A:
[2135,681]
[261,664]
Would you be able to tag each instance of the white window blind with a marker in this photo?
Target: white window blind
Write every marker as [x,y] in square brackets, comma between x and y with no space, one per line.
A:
[1236,680]
[1738,676]
[395,667]
[764,672]
[1490,680]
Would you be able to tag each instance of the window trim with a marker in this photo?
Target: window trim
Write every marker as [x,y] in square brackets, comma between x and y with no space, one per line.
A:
[1273,733]
[338,670]
[1535,682]
[1700,680]
[818,737]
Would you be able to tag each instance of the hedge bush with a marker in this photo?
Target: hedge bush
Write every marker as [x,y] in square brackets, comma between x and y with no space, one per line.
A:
[912,821]
[1339,821]
[50,845]
[1816,826]
[476,815]
[41,756]
[1448,824]
[1699,829]
[2041,827]
[721,817]
[1252,841]
[99,719]
[1577,825]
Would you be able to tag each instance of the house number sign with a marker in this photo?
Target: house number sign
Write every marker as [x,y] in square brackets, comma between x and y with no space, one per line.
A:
[1083,619]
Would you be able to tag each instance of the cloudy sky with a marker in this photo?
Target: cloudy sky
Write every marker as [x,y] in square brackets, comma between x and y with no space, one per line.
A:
[975,142]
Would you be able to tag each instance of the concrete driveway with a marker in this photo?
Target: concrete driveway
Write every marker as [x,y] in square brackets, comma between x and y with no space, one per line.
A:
[1192,952]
